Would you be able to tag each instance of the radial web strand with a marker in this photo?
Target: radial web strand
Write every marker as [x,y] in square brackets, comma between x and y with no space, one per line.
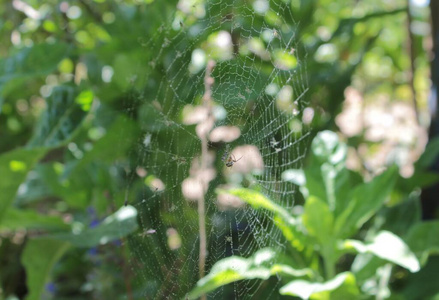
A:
[254,124]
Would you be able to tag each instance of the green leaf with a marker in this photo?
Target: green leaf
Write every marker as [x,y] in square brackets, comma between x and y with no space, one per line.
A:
[257,200]
[387,246]
[37,60]
[82,176]
[116,226]
[318,220]
[60,120]
[423,284]
[343,285]
[109,147]
[39,257]
[399,218]
[348,290]
[289,226]
[429,156]
[366,200]
[314,182]
[14,166]
[17,219]
[259,266]
[127,69]
[423,239]
[419,179]
[49,177]
[32,189]
[423,176]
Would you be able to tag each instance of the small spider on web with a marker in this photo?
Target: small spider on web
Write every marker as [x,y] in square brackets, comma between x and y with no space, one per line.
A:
[228,158]
[147,232]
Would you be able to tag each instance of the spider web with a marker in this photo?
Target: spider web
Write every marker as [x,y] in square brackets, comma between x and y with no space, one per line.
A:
[253,120]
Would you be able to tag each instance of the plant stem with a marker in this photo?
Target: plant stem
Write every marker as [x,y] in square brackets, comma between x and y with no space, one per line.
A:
[202,224]
[207,102]
[203,238]
[329,261]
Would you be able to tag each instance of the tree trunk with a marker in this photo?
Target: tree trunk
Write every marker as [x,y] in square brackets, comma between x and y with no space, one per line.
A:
[430,195]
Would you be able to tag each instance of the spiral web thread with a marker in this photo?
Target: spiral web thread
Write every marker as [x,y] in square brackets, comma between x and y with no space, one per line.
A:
[252,91]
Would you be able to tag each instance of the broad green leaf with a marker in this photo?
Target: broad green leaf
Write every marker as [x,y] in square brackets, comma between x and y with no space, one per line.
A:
[257,200]
[37,60]
[60,120]
[260,265]
[348,290]
[83,175]
[344,284]
[32,189]
[423,284]
[332,184]
[50,176]
[423,176]
[423,239]
[289,226]
[314,182]
[127,69]
[18,219]
[110,147]
[39,257]
[14,166]
[292,232]
[116,226]
[420,179]
[318,220]
[429,156]
[399,218]
[366,201]
[387,246]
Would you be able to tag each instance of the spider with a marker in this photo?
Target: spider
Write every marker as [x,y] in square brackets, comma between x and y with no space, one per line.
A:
[229,159]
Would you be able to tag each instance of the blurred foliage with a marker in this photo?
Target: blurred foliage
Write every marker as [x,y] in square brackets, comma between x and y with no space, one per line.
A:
[73,77]
[320,236]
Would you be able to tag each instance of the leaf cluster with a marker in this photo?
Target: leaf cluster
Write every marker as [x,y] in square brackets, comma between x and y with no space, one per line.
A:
[337,222]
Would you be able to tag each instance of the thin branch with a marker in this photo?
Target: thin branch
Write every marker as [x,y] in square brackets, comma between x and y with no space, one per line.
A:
[94,13]
[411,50]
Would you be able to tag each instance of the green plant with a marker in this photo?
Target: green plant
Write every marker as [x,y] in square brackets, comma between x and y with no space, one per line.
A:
[338,206]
